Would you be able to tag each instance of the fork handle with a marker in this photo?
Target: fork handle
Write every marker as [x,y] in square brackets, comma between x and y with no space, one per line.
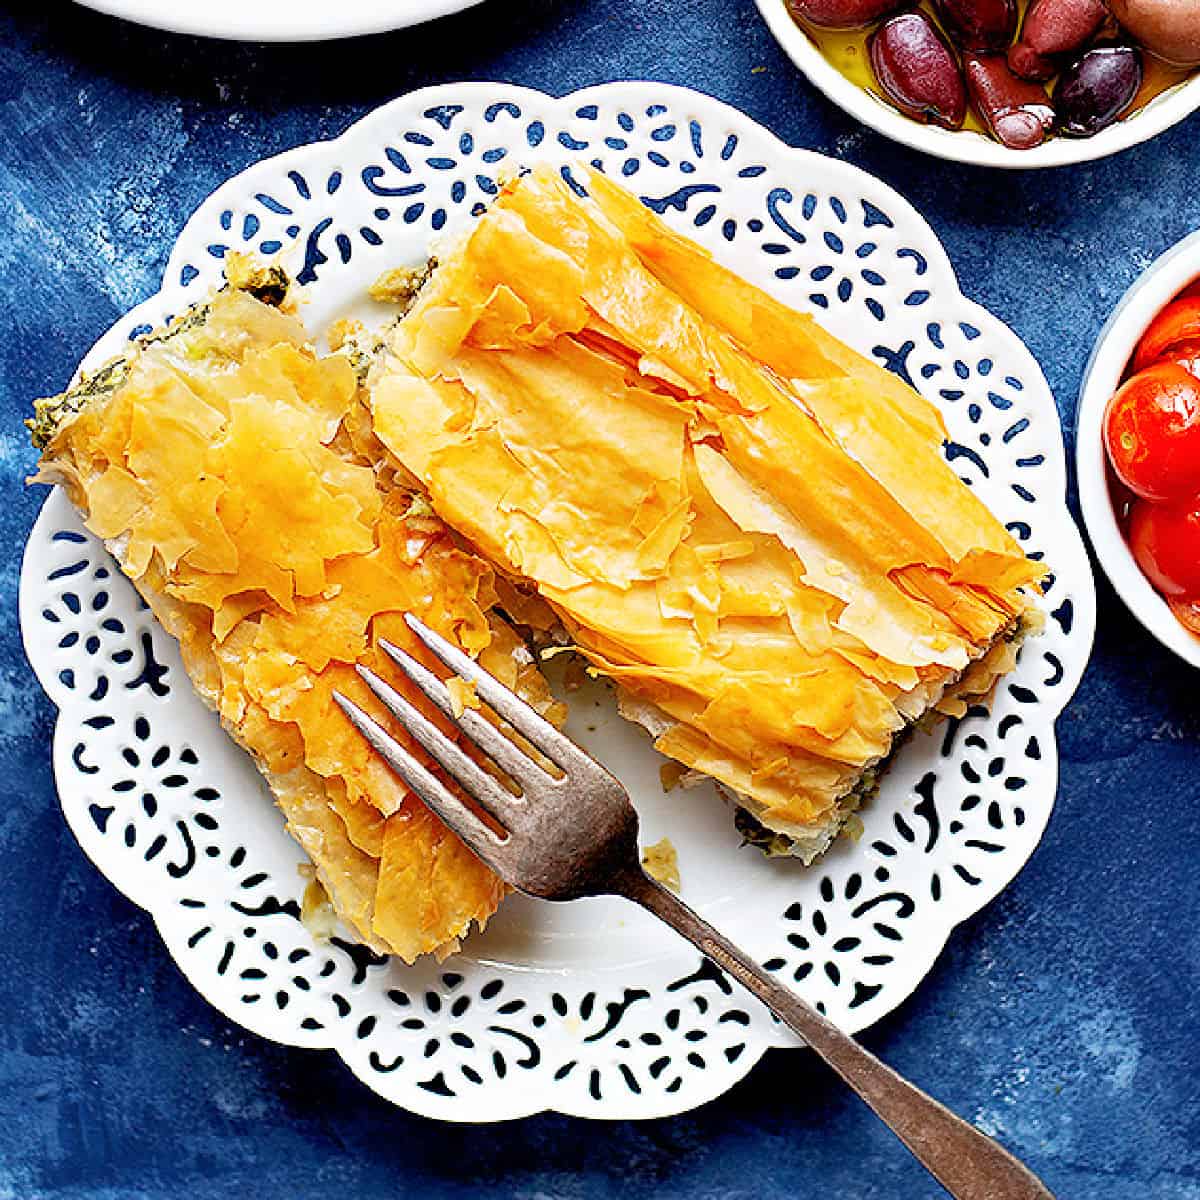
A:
[967,1163]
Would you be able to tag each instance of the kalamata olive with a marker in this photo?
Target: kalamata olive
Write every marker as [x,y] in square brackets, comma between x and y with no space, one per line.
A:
[1016,111]
[1025,61]
[842,14]
[1053,27]
[917,70]
[1096,89]
[979,25]
[1168,28]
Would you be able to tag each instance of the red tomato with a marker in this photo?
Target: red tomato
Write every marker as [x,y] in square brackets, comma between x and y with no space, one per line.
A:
[1152,433]
[1187,612]
[1178,322]
[1187,355]
[1165,540]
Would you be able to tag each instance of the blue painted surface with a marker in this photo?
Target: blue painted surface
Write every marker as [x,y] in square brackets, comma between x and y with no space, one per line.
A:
[1064,1017]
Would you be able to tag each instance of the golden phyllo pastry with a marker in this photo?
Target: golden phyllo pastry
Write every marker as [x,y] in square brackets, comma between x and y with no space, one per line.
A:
[233,474]
[745,524]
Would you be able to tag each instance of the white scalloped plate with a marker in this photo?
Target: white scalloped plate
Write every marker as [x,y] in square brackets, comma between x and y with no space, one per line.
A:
[589,1008]
[278,20]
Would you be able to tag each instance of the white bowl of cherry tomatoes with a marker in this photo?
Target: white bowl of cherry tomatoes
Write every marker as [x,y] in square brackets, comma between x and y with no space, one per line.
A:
[1001,83]
[1138,449]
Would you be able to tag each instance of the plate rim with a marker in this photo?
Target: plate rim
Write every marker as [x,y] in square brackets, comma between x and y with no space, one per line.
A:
[234,20]
[1056,494]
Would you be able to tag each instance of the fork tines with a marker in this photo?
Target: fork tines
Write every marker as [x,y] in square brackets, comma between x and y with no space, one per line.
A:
[505,808]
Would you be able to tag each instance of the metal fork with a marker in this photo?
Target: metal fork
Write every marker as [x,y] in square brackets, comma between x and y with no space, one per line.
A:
[576,834]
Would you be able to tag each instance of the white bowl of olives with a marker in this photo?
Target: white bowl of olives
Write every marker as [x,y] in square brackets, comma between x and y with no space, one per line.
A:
[1002,83]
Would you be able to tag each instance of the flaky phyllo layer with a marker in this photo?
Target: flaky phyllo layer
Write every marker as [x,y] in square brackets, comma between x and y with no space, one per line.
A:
[747,525]
[233,474]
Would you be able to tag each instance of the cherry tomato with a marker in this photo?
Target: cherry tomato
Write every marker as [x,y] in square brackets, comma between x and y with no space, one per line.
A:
[1178,322]
[1187,612]
[1165,540]
[1152,433]
[1186,354]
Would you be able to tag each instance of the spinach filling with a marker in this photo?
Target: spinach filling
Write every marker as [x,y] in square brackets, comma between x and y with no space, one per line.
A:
[267,284]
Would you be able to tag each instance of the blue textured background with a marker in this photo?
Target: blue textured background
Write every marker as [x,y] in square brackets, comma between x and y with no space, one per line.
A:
[1063,1018]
